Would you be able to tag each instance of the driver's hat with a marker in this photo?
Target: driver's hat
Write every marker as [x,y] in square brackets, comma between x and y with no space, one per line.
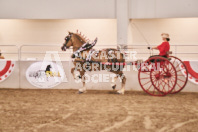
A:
[165,35]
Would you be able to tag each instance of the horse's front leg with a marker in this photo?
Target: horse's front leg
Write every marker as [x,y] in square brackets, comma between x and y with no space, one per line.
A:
[75,76]
[83,79]
[123,78]
[72,72]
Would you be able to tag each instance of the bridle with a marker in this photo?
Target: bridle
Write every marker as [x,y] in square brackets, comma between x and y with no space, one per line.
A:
[67,39]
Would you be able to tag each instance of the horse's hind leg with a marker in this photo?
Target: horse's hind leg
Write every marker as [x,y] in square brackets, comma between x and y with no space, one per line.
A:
[123,78]
[113,82]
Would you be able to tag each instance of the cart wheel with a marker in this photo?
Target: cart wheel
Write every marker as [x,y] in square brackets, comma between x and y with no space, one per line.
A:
[157,76]
[181,79]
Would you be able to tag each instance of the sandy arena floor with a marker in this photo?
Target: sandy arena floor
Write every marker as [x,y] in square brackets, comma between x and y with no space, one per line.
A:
[96,111]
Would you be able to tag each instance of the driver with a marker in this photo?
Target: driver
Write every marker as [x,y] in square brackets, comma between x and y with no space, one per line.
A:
[164,47]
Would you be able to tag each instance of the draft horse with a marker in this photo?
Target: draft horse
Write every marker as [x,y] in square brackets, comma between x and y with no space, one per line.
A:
[109,56]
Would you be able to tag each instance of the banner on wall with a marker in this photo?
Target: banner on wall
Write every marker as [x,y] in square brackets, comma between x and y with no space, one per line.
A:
[45,74]
[6,69]
[192,67]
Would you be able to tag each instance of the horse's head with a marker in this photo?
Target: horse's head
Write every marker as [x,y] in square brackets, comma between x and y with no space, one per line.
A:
[73,39]
[68,42]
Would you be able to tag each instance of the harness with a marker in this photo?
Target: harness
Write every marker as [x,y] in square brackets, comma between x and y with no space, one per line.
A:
[84,47]
[91,52]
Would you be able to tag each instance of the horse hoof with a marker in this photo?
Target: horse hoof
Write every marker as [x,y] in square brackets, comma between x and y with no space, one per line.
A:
[80,92]
[119,93]
[114,86]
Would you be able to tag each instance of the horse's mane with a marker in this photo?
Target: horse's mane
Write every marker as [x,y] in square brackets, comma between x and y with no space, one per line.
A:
[80,37]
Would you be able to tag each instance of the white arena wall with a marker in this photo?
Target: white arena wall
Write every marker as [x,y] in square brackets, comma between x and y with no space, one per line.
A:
[18,80]
[33,32]
[48,32]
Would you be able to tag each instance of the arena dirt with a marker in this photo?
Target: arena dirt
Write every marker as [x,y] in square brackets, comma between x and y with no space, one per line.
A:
[96,111]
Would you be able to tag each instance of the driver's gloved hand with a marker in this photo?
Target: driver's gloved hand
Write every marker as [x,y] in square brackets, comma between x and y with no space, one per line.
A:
[149,48]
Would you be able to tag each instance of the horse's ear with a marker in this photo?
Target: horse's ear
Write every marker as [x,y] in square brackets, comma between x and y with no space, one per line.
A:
[70,32]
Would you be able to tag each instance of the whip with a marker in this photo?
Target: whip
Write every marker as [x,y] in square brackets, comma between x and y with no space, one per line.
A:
[143,37]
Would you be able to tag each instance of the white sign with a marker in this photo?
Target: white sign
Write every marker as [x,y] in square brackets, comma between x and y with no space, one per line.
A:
[45,74]
[192,67]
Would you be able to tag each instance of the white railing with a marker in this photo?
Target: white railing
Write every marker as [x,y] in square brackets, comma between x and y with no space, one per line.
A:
[10,50]
[175,47]
[41,50]
[184,52]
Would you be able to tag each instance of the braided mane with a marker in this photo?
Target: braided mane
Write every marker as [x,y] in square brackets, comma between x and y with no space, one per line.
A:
[81,37]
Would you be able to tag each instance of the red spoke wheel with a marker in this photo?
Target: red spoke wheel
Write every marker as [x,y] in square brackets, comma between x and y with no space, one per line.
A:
[181,78]
[157,76]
